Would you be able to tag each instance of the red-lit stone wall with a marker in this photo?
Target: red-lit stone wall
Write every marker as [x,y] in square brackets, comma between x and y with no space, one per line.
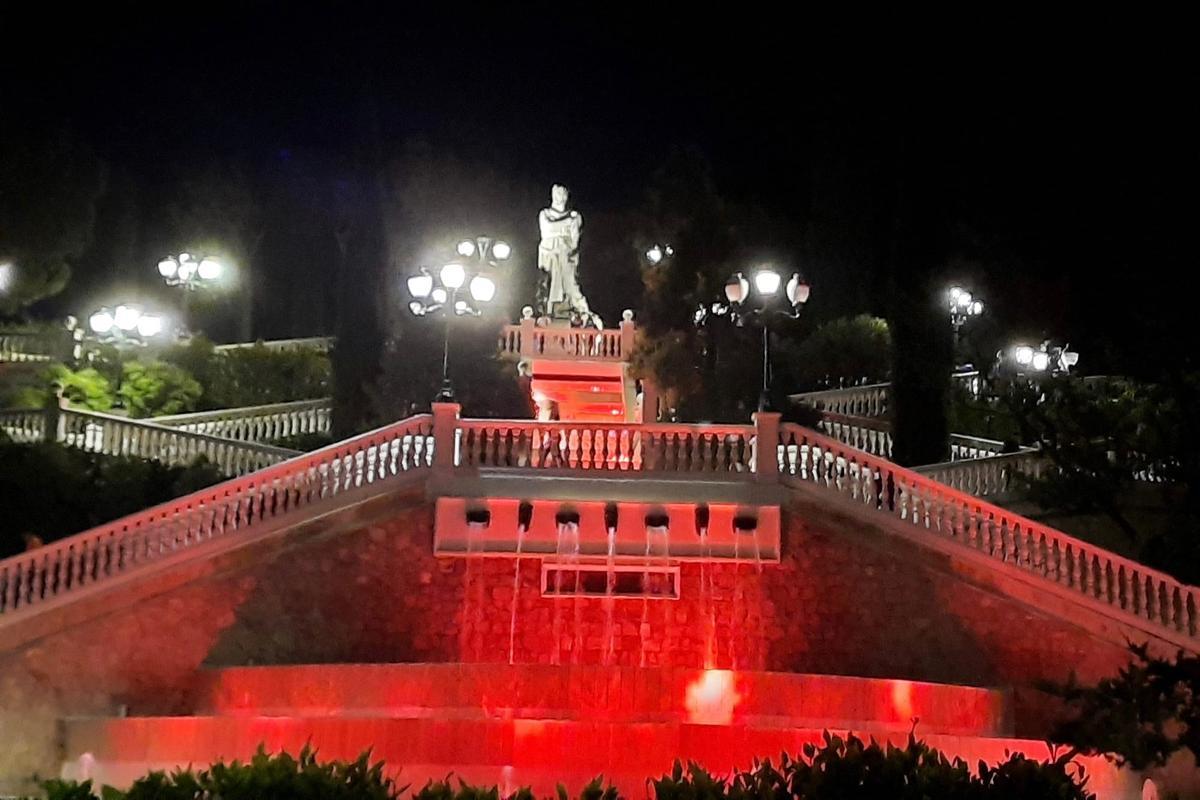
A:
[862,604]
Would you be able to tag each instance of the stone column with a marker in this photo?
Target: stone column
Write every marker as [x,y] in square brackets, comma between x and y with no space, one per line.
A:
[766,446]
[628,331]
[649,401]
[528,325]
[445,438]
[55,424]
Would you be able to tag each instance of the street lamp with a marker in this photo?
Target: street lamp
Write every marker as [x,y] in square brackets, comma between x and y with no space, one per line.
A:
[125,325]
[190,272]
[485,249]
[756,300]
[455,291]
[657,253]
[1045,360]
[7,276]
[963,306]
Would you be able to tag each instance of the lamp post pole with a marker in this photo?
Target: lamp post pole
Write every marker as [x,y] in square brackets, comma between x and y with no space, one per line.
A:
[431,295]
[757,300]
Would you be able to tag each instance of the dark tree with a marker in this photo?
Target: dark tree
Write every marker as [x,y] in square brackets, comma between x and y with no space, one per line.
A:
[49,188]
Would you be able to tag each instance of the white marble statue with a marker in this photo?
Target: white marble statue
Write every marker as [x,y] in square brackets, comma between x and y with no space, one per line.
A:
[558,254]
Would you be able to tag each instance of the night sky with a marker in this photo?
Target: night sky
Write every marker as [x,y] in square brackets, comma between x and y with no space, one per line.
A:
[1071,142]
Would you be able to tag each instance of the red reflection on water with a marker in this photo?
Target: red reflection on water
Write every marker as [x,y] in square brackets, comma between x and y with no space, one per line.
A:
[712,698]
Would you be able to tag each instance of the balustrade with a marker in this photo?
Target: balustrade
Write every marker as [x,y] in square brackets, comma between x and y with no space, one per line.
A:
[603,446]
[262,424]
[118,436]
[24,425]
[865,433]
[853,401]
[953,515]
[527,340]
[987,475]
[35,346]
[235,507]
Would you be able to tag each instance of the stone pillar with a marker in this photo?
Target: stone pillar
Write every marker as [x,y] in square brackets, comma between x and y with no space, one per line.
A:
[55,424]
[528,325]
[766,446]
[649,401]
[628,330]
[445,435]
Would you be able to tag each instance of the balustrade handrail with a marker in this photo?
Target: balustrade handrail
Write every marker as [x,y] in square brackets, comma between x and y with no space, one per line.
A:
[1131,590]
[527,340]
[25,346]
[660,447]
[314,342]
[241,412]
[233,506]
[23,424]
[656,427]
[279,453]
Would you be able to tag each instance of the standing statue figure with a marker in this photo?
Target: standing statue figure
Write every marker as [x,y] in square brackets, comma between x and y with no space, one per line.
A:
[558,255]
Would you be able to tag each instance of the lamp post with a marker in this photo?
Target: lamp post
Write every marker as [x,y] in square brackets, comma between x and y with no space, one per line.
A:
[657,253]
[756,300]
[190,273]
[454,292]
[963,306]
[485,250]
[1023,360]
[125,325]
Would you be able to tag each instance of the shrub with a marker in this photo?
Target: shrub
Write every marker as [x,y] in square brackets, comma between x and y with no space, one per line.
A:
[851,769]
[85,387]
[841,769]
[1140,717]
[252,376]
[156,388]
[51,491]
[845,351]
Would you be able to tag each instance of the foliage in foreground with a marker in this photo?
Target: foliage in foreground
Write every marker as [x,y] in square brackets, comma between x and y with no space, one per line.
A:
[852,769]
[1149,711]
[839,769]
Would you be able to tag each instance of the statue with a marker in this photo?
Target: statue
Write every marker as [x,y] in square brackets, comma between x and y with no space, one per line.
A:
[558,256]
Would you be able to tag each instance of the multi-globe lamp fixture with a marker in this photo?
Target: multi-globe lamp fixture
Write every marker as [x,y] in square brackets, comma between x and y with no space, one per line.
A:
[126,324]
[189,271]
[459,288]
[963,306]
[756,299]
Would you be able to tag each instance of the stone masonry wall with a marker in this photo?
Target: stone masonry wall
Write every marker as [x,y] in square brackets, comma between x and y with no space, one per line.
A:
[373,592]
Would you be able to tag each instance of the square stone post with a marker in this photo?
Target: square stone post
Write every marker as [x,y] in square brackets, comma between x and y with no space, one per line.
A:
[766,446]
[527,330]
[628,330]
[649,401]
[445,435]
[54,421]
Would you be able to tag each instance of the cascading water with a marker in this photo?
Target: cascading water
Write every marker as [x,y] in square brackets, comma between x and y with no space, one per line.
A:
[516,594]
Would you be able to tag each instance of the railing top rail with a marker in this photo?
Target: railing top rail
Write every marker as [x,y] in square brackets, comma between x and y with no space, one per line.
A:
[16,411]
[276,344]
[661,427]
[965,463]
[842,390]
[225,489]
[915,478]
[243,411]
[871,423]
[966,438]
[265,449]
